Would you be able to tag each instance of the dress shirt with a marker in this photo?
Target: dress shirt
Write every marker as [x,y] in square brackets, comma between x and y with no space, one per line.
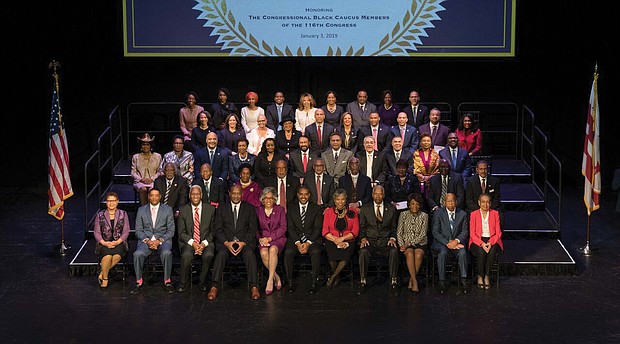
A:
[190,242]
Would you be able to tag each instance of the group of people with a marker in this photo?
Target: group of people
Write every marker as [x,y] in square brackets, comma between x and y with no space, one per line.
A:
[281,183]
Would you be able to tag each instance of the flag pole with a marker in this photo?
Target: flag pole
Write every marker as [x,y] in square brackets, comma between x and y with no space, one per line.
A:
[63,247]
[587,249]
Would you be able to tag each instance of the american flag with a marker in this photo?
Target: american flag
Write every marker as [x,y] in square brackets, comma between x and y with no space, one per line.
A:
[58,161]
[591,164]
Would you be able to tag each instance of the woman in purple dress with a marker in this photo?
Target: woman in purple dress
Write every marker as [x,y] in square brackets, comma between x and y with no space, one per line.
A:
[271,235]
[388,111]
[251,191]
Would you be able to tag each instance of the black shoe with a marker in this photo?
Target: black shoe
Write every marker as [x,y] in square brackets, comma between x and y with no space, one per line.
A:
[182,288]
[169,288]
[136,289]
[314,288]
[361,289]
[442,287]
[290,286]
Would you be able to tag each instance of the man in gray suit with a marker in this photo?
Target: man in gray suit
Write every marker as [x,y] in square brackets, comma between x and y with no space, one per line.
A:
[154,230]
[336,158]
[360,109]
[450,233]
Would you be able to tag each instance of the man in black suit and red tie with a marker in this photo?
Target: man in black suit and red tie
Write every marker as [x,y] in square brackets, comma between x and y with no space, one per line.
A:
[378,222]
[380,132]
[278,110]
[443,183]
[236,224]
[195,226]
[357,185]
[321,185]
[301,161]
[305,222]
[318,132]
[285,183]
[416,112]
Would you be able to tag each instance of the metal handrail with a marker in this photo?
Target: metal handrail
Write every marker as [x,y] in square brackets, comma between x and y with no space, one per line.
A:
[556,191]
[515,132]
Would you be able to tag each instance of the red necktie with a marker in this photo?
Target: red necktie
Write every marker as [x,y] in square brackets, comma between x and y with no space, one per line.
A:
[318,190]
[483,186]
[282,195]
[196,226]
[305,161]
[318,128]
[402,134]
[374,134]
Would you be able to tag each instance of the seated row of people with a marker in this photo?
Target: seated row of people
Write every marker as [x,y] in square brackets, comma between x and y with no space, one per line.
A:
[237,228]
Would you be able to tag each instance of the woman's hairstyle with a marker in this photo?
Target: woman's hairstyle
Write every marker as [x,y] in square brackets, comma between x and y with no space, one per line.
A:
[267,190]
[190,93]
[238,126]
[340,192]
[111,194]
[243,139]
[263,150]
[251,94]
[225,91]
[423,135]
[385,93]
[208,117]
[342,118]
[245,165]
[301,100]
[330,92]
[416,196]
[474,126]
[402,163]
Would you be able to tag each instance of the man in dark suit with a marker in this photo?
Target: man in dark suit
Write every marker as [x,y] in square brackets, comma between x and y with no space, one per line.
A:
[213,189]
[305,221]
[372,163]
[319,143]
[301,161]
[357,185]
[380,132]
[392,156]
[216,156]
[482,182]
[278,110]
[154,231]
[439,132]
[453,182]
[236,225]
[417,113]
[450,232]
[195,227]
[378,222]
[407,133]
[322,195]
[173,187]
[458,157]
[360,109]
[285,184]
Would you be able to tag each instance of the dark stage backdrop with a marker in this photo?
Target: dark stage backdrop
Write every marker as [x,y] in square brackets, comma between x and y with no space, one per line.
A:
[557,48]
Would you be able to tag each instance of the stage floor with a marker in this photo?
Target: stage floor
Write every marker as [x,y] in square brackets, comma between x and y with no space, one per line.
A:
[42,303]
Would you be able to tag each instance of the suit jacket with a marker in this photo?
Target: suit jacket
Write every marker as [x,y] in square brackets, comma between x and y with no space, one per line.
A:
[296,165]
[313,135]
[351,143]
[164,223]
[384,137]
[360,118]
[186,224]
[246,229]
[312,226]
[378,165]
[390,161]
[271,112]
[338,168]
[441,137]
[103,221]
[442,233]
[378,233]
[455,186]
[179,191]
[363,190]
[462,160]
[410,143]
[327,188]
[474,189]
[284,145]
[421,118]
[291,186]
[475,228]
[217,190]
[219,165]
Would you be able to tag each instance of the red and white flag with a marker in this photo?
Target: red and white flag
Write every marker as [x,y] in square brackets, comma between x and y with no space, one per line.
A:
[58,161]
[591,165]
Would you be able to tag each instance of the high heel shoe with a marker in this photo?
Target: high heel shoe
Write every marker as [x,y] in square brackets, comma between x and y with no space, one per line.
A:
[268,291]
[106,283]
[100,280]
[278,283]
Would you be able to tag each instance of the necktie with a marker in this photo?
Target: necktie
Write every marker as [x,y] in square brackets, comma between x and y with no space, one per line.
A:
[303,215]
[444,189]
[363,106]
[335,157]
[454,158]
[415,115]
[211,157]
[354,191]
[318,128]
[374,135]
[279,111]
[379,216]
[483,185]
[167,194]
[369,166]
[318,190]
[433,132]
[207,189]
[397,156]
[236,215]
[451,220]
[153,215]
[305,161]
[196,226]
[282,194]
[402,134]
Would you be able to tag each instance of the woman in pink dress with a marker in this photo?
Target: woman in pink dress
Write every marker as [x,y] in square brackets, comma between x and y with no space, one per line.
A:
[271,235]
[251,191]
